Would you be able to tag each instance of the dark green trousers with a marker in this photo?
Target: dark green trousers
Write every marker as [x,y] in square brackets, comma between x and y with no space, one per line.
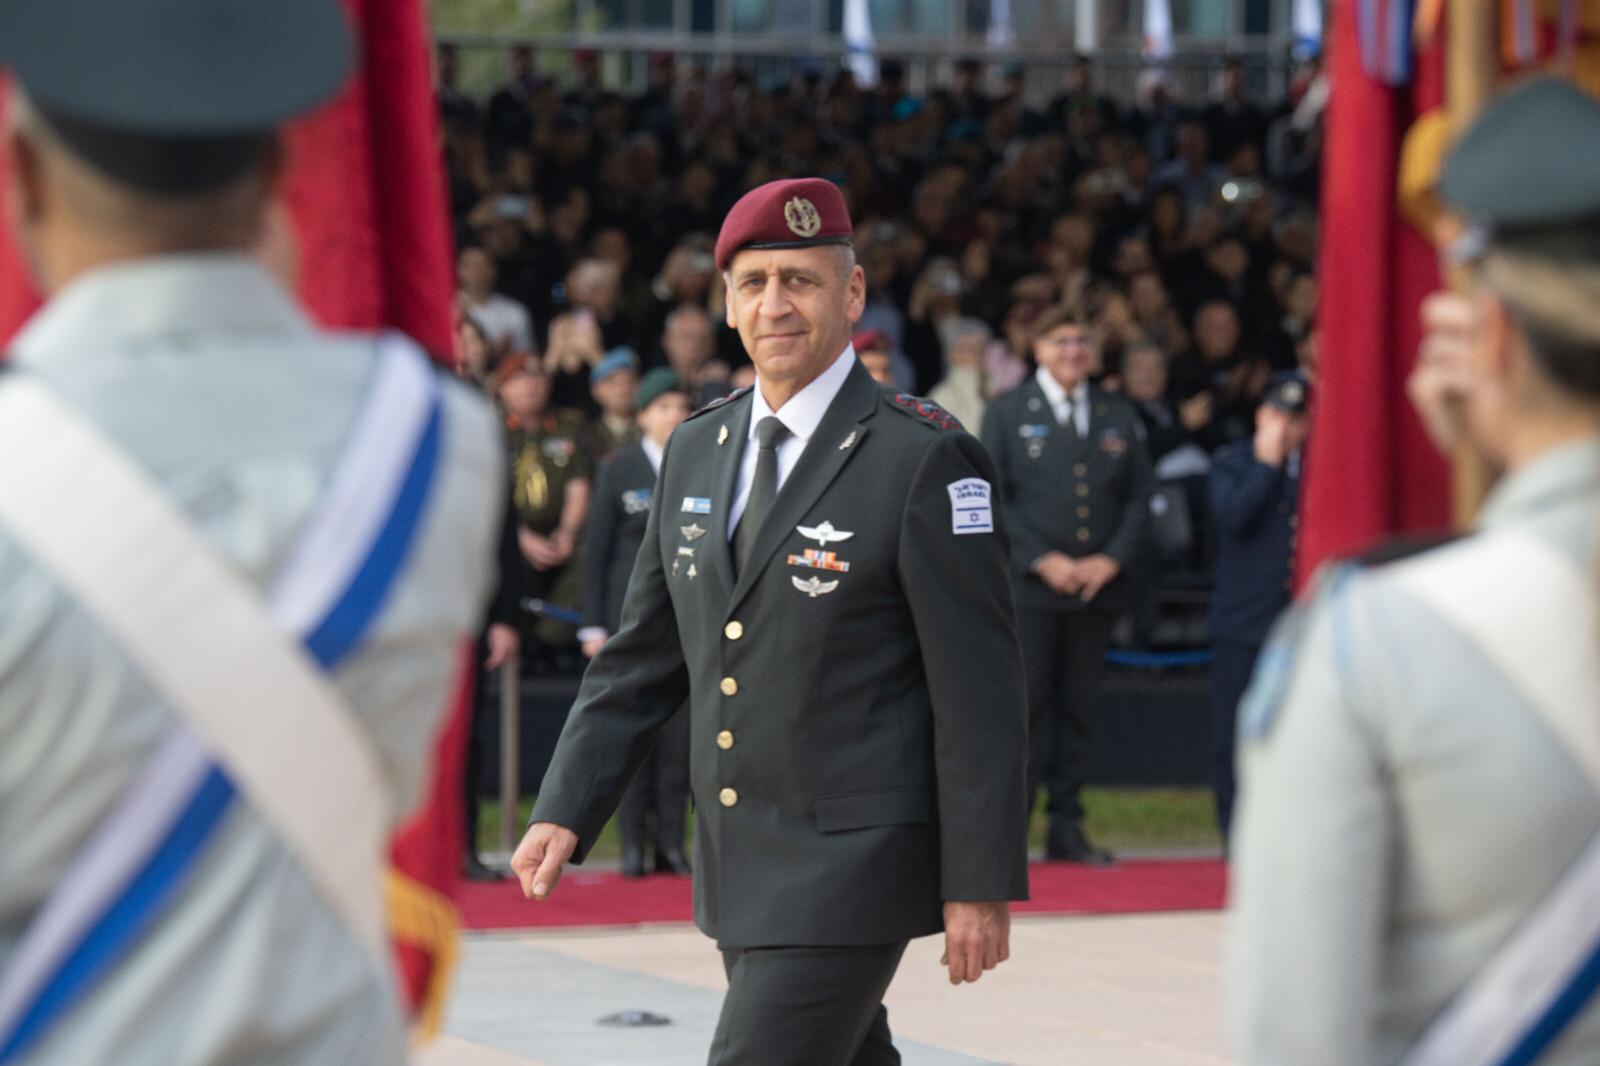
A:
[806,1007]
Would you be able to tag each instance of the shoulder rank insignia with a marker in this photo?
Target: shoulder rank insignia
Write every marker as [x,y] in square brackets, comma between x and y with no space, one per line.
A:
[714,404]
[824,534]
[815,586]
[926,411]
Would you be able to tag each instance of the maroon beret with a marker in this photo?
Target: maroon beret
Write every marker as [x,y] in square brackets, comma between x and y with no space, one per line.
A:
[872,340]
[793,213]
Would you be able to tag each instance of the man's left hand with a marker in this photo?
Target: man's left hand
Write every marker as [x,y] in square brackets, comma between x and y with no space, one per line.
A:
[977,937]
[503,644]
[1097,571]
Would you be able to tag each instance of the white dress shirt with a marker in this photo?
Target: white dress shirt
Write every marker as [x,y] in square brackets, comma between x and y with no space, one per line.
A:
[1063,404]
[801,416]
[652,452]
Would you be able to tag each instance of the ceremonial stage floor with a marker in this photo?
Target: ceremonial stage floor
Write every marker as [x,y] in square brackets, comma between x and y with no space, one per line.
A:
[1108,988]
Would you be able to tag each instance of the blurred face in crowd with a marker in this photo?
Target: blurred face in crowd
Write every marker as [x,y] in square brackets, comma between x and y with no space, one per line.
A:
[1148,295]
[967,350]
[593,284]
[1300,300]
[663,415]
[1067,354]
[1216,331]
[526,392]
[471,348]
[1133,256]
[615,394]
[1144,373]
[1228,259]
[475,273]
[795,309]
[687,341]
[877,363]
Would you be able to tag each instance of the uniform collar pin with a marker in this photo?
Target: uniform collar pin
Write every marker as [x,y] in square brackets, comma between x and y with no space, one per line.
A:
[851,439]
[722,435]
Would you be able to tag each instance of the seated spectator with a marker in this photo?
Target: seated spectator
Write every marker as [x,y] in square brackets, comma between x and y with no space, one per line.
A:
[687,347]
[963,392]
[550,479]
[1192,172]
[614,384]
[473,355]
[1218,365]
[684,278]
[574,349]
[873,349]
[503,319]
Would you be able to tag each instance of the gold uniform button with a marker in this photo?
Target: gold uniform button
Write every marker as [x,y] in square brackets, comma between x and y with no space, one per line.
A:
[730,687]
[728,797]
[1078,469]
[1083,512]
[724,740]
[1083,490]
[733,630]
[1083,534]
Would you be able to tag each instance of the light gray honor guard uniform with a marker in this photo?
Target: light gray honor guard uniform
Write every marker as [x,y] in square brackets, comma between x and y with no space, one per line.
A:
[205,372]
[1405,805]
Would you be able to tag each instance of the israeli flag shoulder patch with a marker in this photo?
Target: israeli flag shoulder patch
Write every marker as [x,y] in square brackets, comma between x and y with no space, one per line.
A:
[971,506]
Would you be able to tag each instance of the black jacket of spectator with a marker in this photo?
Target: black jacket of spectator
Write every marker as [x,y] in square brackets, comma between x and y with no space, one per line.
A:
[619,510]
[1254,505]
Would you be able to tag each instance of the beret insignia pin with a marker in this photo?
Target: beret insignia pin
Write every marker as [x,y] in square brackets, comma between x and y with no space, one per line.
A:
[803,218]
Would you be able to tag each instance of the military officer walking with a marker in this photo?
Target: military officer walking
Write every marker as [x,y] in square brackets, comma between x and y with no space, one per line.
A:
[215,703]
[822,577]
[617,519]
[1076,483]
[1255,491]
[1416,854]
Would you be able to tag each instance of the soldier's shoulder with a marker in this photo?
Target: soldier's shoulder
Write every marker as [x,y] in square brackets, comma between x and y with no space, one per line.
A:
[718,404]
[922,411]
[1402,549]
[1112,403]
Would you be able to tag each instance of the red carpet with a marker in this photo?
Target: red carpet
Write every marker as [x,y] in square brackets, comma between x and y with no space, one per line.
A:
[1133,887]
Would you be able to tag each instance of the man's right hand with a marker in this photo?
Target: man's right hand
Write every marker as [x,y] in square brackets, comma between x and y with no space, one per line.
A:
[1060,574]
[1443,379]
[545,848]
[1272,436]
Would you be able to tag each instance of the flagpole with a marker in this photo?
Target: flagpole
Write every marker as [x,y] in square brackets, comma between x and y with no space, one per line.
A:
[1471,69]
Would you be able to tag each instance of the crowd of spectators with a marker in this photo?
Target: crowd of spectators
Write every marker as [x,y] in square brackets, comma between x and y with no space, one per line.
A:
[1183,230]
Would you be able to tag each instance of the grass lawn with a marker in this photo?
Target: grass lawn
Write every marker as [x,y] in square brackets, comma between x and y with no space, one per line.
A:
[1122,819]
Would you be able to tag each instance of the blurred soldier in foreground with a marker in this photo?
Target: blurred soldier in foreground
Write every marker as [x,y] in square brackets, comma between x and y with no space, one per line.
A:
[239,557]
[1416,856]
[1255,491]
[823,579]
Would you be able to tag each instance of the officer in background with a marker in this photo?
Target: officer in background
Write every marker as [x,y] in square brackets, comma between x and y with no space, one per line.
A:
[551,476]
[143,154]
[1416,860]
[617,521]
[1076,483]
[1255,490]
[823,579]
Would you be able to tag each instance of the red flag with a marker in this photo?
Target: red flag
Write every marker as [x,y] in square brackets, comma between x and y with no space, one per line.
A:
[366,197]
[1371,471]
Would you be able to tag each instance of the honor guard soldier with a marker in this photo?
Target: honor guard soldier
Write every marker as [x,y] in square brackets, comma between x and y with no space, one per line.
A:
[1076,483]
[239,558]
[1416,852]
[1255,493]
[622,495]
[551,476]
[823,579]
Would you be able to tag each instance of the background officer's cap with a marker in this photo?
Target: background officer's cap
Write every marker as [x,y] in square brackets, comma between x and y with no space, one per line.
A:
[1289,391]
[126,82]
[658,383]
[1526,177]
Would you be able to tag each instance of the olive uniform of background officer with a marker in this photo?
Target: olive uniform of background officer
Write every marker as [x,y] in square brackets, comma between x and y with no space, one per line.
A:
[143,154]
[1076,483]
[1420,757]
[1255,494]
[617,519]
[824,581]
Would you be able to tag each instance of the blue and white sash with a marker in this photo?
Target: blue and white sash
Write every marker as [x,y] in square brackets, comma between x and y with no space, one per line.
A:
[1544,976]
[258,714]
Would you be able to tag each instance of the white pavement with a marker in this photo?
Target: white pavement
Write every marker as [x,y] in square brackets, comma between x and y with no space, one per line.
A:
[1141,990]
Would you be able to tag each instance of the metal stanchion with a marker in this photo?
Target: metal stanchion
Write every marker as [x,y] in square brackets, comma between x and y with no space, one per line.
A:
[510,756]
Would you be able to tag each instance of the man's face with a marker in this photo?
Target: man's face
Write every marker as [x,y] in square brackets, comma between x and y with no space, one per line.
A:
[794,309]
[475,271]
[1066,353]
[1216,331]
[615,393]
[665,413]
[877,364]
[1144,374]
[525,395]
[687,342]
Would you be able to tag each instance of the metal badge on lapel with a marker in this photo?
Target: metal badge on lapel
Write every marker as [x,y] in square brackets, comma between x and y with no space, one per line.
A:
[696,505]
[823,534]
[722,435]
[691,532]
[851,439]
[815,586]
[816,560]
[693,573]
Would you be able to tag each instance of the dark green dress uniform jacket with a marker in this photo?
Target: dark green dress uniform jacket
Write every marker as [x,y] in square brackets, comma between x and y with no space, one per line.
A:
[619,511]
[858,726]
[1079,496]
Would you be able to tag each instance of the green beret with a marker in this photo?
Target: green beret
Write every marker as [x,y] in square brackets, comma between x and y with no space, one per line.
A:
[656,384]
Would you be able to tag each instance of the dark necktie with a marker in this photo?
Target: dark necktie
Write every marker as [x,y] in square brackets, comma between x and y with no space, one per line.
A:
[763,489]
